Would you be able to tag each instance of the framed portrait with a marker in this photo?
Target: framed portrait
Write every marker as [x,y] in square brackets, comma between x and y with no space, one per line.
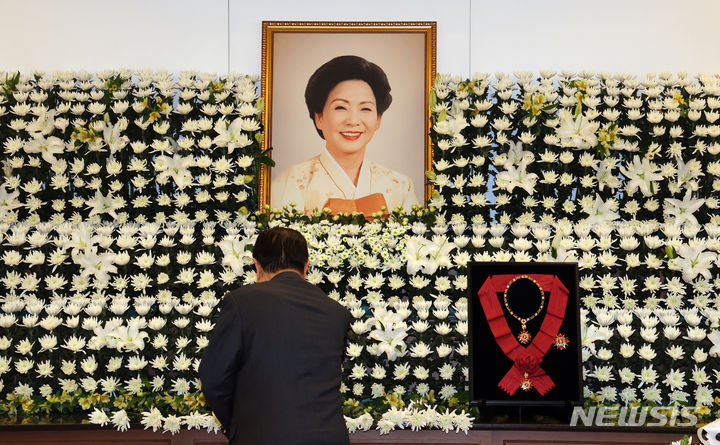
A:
[524,334]
[347,115]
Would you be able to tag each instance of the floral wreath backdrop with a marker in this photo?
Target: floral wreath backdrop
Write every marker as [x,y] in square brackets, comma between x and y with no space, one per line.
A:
[126,213]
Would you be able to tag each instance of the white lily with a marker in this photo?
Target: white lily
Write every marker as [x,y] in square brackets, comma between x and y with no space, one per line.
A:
[391,341]
[518,176]
[577,132]
[516,154]
[43,124]
[130,337]
[113,137]
[600,213]
[177,168]
[231,135]
[235,252]
[8,201]
[683,210]
[104,204]
[48,148]
[98,265]
[641,174]
[714,337]
[694,261]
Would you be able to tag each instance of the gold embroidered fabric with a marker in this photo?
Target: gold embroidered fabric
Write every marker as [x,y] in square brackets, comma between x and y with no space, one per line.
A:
[312,183]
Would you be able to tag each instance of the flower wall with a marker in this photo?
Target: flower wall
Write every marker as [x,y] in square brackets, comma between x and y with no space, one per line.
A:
[127,209]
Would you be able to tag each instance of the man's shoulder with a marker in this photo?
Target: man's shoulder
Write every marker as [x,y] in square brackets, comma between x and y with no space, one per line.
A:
[248,290]
[262,292]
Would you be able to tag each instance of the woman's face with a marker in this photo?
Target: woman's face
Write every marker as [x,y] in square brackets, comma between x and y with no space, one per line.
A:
[349,119]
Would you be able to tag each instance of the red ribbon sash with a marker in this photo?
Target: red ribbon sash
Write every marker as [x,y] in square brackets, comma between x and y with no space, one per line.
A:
[526,359]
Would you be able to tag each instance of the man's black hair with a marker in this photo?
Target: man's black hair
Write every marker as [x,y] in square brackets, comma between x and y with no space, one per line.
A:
[281,248]
[340,69]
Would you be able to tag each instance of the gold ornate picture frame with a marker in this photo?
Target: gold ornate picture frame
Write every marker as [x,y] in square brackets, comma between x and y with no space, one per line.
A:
[400,149]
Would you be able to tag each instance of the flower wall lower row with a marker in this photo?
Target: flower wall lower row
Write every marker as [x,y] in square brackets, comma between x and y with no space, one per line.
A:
[127,208]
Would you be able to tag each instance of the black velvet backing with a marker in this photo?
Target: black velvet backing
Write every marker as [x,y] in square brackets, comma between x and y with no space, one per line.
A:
[488,363]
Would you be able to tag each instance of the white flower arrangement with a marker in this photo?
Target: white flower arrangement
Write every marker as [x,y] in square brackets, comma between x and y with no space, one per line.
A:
[125,217]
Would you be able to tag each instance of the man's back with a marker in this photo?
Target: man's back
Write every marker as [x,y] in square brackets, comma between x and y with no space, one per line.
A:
[283,341]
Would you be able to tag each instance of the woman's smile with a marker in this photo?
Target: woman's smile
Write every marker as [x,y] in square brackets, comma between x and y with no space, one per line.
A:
[351,135]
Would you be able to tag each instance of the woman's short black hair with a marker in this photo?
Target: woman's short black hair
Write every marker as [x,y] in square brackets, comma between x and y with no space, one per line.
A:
[281,248]
[338,70]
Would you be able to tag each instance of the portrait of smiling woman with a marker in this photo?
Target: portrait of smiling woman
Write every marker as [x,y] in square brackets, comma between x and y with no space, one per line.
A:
[345,98]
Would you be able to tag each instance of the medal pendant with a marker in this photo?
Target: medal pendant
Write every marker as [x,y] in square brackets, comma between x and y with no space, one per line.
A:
[524,337]
[526,383]
[561,342]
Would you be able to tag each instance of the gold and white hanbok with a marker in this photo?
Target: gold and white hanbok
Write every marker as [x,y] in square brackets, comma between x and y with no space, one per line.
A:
[320,181]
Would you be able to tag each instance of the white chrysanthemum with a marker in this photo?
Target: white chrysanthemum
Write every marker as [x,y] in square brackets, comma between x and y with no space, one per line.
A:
[98,417]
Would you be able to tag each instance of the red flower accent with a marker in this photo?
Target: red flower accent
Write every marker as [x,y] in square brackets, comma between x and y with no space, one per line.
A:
[528,363]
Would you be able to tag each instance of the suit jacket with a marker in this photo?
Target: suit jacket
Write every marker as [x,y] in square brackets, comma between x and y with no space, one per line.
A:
[272,371]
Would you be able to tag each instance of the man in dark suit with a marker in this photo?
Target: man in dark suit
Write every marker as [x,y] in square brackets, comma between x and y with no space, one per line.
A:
[272,371]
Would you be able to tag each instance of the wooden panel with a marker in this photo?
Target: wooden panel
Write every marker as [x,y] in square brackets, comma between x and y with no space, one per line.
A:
[77,438]
[588,441]
[420,438]
[81,442]
[581,442]
[582,438]
[87,435]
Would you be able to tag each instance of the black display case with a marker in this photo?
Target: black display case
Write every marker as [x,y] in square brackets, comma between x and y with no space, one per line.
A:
[491,363]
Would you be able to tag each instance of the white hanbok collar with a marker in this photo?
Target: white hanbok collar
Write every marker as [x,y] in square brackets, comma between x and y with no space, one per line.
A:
[341,179]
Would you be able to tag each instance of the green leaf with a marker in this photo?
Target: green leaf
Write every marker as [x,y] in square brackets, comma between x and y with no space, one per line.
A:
[442,115]
[267,161]
[670,252]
